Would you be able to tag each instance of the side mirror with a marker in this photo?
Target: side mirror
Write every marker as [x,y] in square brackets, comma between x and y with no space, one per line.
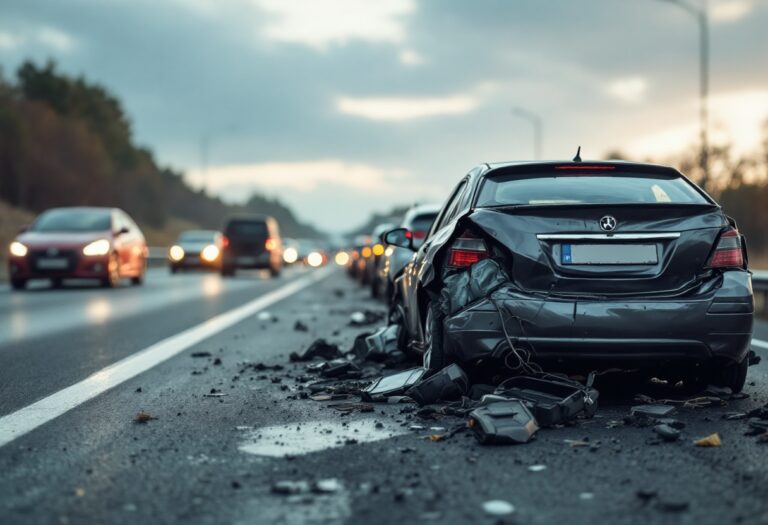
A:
[401,237]
[122,231]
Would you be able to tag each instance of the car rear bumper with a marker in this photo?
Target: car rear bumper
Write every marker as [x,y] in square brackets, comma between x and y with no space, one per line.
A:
[193,260]
[78,267]
[260,261]
[713,324]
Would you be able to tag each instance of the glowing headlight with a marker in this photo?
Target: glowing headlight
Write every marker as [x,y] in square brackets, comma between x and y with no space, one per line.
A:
[17,249]
[176,253]
[342,258]
[100,247]
[389,251]
[378,249]
[367,252]
[290,255]
[210,253]
[314,259]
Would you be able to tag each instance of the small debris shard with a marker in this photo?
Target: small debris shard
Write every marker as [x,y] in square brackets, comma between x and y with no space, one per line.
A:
[366,317]
[503,423]
[300,326]
[497,507]
[143,418]
[200,354]
[537,468]
[326,486]
[448,384]
[264,316]
[712,440]
[319,348]
[393,385]
[652,410]
[667,433]
[287,487]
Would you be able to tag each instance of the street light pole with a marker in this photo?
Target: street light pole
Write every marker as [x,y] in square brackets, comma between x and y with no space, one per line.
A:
[700,12]
[536,122]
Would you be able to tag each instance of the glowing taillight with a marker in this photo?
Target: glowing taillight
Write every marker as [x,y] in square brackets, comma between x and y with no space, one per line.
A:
[224,241]
[728,251]
[466,251]
[270,244]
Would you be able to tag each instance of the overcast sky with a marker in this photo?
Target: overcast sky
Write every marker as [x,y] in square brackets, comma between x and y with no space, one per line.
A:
[342,107]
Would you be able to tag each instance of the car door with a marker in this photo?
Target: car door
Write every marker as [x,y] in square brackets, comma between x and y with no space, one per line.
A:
[410,281]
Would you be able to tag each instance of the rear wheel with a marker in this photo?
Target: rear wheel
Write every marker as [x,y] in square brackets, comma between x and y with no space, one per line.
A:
[434,350]
[18,284]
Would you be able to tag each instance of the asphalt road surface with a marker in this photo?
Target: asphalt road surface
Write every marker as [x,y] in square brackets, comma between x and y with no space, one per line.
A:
[78,364]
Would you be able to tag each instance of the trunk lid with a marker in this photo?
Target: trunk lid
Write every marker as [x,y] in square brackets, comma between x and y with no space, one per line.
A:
[654,248]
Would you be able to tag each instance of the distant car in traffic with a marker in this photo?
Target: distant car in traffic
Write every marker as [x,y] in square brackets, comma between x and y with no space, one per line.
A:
[81,243]
[582,266]
[417,221]
[196,249]
[373,254]
[251,242]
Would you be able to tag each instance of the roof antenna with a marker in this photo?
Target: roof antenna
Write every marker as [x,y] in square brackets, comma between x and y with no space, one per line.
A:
[577,158]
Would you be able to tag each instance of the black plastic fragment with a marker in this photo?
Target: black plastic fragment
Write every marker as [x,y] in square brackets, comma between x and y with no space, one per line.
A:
[448,384]
[393,385]
[320,348]
[383,344]
[667,433]
[552,401]
[503,423]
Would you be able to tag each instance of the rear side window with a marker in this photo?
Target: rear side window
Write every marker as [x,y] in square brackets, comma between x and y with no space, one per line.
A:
[553,189]
[247,229]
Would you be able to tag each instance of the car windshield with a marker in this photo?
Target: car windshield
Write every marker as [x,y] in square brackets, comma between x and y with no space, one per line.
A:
[550,189]
[73,221]
[197,237]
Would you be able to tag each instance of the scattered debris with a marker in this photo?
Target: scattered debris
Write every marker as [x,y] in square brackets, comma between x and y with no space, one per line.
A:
[326,486]
[319,348]
[712,440]
[290,487]
[143,418]
[200,354]
[383,345]
[503,423]
[537,468]
[217,361]
[366,317]
[666,432]
[300,326]
[498,507]
[264,316]
[552,400]
[666,505]
[352,407]
[393,385]
[652,410]
[449,383]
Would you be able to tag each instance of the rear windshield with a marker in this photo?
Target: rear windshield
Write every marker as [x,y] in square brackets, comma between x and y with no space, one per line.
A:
[546,189]
[73,221]
[247,229]
[198,236]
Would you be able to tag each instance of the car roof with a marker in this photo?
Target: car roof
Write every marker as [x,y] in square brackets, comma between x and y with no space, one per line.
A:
[618,165]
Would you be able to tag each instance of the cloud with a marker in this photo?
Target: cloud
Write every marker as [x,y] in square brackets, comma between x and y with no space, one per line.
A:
[730,10]
[737,118]
[319,23]
[398,109]
[8,40]
[55,38]
[301,176]
[409,57]
[629,89]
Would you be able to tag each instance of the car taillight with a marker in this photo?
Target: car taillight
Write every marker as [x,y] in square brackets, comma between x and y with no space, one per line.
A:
[466,251]
[418,234]
[224,242]
[270,244]
[728,251]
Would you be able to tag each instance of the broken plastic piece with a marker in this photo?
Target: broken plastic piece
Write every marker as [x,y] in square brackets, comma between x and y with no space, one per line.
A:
[345,369]
[552,401]
[464,287]
[667,433]
[652,410]
[448,384]
[393,385]
[503,423]
[383,343]
[320,348]
[712,440]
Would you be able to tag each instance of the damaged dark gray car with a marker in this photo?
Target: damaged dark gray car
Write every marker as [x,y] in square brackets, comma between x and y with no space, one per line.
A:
[581,266]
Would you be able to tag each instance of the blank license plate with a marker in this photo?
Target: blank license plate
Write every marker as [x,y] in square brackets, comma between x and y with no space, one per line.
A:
[609,254]
[246,260]
[52,263]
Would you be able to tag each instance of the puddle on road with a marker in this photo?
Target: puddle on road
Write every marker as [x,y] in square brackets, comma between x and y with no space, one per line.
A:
[313,436]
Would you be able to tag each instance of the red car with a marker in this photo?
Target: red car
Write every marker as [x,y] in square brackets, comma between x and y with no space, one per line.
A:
[79,243]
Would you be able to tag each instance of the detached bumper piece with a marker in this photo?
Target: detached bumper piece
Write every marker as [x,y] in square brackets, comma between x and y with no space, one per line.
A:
[448,384]
[503,423]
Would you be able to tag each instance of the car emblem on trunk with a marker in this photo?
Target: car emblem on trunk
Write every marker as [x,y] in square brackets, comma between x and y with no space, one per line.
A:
[608,223]
[53,251]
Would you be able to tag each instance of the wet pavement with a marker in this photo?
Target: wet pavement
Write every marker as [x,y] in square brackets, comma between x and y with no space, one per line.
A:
[233,442]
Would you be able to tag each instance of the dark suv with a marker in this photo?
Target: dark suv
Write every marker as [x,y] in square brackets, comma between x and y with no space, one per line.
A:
[251,242]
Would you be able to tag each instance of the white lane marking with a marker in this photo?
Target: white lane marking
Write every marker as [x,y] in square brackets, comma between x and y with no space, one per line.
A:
[760,343]
[30,417]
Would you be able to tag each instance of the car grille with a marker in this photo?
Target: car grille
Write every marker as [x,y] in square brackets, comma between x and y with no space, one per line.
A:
[38,258]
